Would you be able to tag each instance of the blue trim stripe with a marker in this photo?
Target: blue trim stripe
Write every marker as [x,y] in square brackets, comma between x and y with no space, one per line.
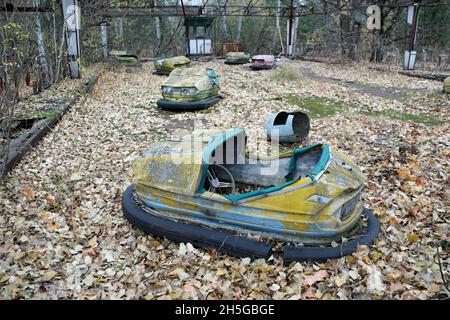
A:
[217,140]
[212,145]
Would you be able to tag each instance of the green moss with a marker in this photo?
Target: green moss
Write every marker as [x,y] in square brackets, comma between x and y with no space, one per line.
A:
[315,107]
[50,114]
[420,118]
[287,72]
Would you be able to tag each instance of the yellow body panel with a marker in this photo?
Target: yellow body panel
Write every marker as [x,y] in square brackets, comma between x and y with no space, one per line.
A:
[288,213]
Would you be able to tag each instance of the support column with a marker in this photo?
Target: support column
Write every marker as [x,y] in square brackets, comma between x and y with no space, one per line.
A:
[104,40]
[186,30]
[410,53]
[289,28]
[72,16]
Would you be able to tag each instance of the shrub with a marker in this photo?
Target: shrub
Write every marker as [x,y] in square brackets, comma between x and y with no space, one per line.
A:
[287,72]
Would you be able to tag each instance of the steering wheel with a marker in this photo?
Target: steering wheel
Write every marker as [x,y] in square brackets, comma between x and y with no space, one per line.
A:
[214,182]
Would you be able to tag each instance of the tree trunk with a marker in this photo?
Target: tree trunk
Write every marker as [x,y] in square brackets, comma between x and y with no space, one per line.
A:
[239,23]
[223,21]
[377,52]
[341,27]
[277,32]
[158,32]
[294,36]
[119,32]
[41,50]
[104,31]
[60,55]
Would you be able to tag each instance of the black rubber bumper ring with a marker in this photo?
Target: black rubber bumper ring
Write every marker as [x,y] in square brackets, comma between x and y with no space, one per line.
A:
[263,67]
[197,235]
[236,62]
[321,254]
[187,106]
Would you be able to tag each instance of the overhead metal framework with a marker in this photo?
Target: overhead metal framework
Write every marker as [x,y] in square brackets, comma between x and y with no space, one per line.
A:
[290,8]
[10,7]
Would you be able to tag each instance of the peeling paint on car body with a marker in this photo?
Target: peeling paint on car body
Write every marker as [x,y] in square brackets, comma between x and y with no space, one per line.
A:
[264,61]
[165,65]
[286,214]
[202,80]
[237,58]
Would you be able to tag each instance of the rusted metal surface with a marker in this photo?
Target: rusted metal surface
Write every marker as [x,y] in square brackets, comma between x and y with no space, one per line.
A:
[263,62]
[190,84]
[287,127]
[165,65]
[323,183]
[237,58]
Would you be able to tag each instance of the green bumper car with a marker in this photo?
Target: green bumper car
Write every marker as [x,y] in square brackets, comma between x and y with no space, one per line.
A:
[447,85]
[124,59]
[190,89]
[237,58]
[165,65]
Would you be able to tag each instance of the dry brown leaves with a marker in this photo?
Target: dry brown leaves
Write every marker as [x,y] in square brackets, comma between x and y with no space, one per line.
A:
[62,234]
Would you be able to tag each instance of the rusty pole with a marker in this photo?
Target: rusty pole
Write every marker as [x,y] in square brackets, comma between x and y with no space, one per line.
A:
[291,15]
[412,35]
[412,39]
[186,29]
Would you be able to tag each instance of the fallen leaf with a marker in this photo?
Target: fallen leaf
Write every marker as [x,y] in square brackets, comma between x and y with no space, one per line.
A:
[149,296]
[76,176]
[396,286]
[412,237]
[182,249]
[339,281]
[316,277]
[49,275]
[310,293]
[374,281]
[28,192]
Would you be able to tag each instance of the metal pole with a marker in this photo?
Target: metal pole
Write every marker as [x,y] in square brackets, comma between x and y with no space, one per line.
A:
[186,27]
[104,40]
[412,35]
[71,14]
[410,54]
[291,14]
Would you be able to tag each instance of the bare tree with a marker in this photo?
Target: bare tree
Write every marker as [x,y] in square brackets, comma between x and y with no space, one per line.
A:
[239,23]
[277,33]
[40,42]
[223,19]
[294,36]
[158,31]
[17,53]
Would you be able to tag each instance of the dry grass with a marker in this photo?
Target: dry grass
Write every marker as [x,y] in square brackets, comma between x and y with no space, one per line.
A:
[287,72]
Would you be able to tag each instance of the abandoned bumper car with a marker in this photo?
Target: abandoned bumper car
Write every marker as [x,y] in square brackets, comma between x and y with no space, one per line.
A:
[261,62]
[165,65]
[124,58]
[189,89]
[237,58]
[305,198]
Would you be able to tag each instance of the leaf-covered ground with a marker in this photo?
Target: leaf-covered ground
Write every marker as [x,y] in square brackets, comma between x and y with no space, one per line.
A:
[62,234]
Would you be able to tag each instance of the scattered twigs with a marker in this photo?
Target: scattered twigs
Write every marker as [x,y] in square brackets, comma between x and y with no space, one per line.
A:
[428,76]
[443,277]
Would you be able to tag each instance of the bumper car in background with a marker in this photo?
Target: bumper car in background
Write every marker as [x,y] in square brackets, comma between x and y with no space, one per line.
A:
[237,58]
[190,89]
[165,65]
[124,59]
[263,62]
[447,85]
